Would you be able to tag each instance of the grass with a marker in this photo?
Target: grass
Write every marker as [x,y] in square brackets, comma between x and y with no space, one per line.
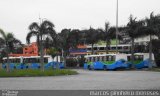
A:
[32,73]
[154,69]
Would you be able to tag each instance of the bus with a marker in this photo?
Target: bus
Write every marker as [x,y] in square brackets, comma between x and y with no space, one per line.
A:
[32,62]
[106,61]
[116,61]
[101,49]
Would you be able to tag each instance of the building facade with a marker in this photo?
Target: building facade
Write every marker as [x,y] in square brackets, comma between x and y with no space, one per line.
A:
[28,50]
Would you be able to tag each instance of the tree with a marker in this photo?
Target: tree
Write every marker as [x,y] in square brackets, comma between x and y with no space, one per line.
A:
[9,41]
[150,28]
[156,51]
[107,34]
[46,28]
[132,30]
[67,39]
[92,36]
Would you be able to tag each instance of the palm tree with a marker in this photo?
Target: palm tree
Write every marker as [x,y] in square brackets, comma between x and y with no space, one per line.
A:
[46,28]
[92,36]
[67,39]
[9,41]
[107,34]
[132,28]
[153,28]
[150,27]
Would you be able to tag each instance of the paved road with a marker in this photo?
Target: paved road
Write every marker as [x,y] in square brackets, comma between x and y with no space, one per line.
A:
[86,80]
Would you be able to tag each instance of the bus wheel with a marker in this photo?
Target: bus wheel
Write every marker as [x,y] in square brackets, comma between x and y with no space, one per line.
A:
[14,67]
[104,67]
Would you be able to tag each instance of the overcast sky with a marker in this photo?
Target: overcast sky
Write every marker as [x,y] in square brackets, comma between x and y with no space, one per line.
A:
[17,15]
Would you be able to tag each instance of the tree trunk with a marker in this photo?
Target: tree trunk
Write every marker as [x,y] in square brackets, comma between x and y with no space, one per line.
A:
[7,65]
[65,58]
[106,47]
[57,62]
[150,53]
[41,53]
[132,53]
[92,48]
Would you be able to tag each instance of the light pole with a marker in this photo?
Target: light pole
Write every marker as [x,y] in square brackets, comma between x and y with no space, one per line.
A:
[41,46]
[117,28]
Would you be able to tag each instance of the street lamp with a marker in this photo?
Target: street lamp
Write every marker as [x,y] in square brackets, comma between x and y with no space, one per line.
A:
[117,28]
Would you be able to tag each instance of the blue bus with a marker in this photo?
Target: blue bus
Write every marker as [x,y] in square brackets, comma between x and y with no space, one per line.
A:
[32,62]
[106,61]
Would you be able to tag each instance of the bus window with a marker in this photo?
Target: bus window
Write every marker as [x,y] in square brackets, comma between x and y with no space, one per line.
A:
[119,48]
[35,60]
[109,48]
[129,58]
[45,60]
[90,59]
[102,48]
[14,60]
[5,60]
[17,60]
[86,60]
[136,57]
[26,60]
[113,58]
[11,60]
[109,58]
[113,48]
[141,57]
[38,60]
[94,59]
[106,58]
[30,60]
[98,58]
[102,58]
[126,47]
[95,48]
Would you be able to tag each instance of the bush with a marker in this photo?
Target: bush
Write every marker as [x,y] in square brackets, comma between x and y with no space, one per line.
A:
[71,62]
[81,61]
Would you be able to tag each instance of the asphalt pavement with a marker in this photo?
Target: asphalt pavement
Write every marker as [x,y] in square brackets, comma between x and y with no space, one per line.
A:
[86,80]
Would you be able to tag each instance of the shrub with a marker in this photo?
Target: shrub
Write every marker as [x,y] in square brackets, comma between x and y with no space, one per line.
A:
[71,62]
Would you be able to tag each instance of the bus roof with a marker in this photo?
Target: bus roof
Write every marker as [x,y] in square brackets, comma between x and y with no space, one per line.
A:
[46,56]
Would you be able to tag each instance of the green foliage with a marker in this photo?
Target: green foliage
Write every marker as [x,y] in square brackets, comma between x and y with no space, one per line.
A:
[81,61]
[92,36]
[71,62]
[32,73]
[52,51]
